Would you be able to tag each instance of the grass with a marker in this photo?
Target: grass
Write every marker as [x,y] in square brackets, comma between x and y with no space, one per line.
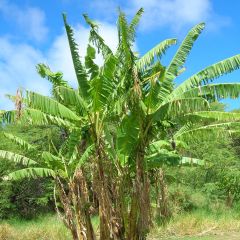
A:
[198,225]
[47,227]
[201,224]
[43,228]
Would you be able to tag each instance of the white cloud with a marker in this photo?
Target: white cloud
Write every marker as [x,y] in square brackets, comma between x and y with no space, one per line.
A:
[177,14]
[30,20]
[17,69]
[173,14]
[18,61]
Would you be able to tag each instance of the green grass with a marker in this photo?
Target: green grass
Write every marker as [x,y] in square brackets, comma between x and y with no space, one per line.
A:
[47,227]
[199,225]
[43,228]
[200,238]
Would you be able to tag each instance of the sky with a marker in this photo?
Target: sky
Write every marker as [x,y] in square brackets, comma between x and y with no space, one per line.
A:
[32,32]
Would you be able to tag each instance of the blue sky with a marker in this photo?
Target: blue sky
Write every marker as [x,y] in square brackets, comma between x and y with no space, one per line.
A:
[32,31]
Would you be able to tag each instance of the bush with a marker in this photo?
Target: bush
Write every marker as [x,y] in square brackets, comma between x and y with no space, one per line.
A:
[180,198]
[28,198]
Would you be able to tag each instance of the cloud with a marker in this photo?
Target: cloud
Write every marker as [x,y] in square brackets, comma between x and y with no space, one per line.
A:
[177,14]
[17,69]
[173,14]
[18,61]
[30,20]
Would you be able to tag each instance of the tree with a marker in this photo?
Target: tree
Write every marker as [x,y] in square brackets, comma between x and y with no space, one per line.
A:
[119,111]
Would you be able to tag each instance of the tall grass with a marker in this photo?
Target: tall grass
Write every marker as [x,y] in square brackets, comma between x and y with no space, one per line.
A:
[43,228]
[199,224]
[218,224]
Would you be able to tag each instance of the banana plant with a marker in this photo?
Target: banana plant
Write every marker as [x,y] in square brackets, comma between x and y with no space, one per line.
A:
[120,109]
[153,100]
